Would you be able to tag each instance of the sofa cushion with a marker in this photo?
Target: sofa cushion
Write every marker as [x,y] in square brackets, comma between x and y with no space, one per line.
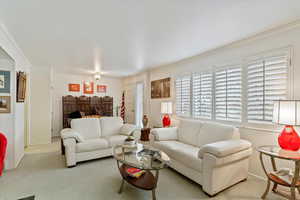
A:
[92,145]
[183,153]
[115,140]
[188,131]
[212,132]
[110,125]
[88,128]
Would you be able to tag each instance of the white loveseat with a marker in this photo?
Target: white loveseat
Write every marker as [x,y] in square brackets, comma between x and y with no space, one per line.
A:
[91,138]
[211,154]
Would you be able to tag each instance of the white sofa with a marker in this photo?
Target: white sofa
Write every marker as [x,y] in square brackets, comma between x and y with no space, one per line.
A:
[210,154]
[91,138]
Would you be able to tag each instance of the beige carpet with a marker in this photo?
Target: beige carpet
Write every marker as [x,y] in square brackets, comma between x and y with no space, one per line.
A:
[45,175]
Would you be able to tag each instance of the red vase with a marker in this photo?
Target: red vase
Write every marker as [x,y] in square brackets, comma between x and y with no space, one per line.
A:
[289,139]
[166,121]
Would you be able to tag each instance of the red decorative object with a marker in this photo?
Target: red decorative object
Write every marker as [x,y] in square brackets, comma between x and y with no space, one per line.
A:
[166,121]
[88,88]
[101,88]
[74,87]
[289,139]
[3,145]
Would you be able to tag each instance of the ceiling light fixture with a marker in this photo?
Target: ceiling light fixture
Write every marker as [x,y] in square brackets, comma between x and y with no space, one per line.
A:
[97,76]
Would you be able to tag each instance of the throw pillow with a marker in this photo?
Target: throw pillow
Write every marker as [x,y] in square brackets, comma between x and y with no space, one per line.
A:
[127,129]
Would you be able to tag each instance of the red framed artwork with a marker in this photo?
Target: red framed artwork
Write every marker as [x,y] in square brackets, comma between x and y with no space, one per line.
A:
[88,88]
[101,88]
[74,87]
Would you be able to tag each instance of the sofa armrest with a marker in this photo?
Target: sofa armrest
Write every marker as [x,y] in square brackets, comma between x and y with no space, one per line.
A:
[70,150]
[71,133]
[224,148]
[160,134]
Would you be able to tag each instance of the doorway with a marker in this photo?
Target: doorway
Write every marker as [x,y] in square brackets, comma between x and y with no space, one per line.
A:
[139,104]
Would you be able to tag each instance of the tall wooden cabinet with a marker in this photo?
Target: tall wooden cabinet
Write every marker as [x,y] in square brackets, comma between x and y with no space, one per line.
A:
[95,105]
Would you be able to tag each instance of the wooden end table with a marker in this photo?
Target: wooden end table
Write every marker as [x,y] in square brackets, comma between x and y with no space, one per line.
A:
[276,152]
[133,156]
[145,132]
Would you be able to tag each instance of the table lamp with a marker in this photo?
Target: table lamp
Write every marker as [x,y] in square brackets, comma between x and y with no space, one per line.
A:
[287,113]
[166,110]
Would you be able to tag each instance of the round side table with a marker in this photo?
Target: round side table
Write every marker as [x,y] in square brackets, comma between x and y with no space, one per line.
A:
[276,152]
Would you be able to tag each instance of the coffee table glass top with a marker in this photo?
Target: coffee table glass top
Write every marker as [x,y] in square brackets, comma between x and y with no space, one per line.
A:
[276,151]
[141,156]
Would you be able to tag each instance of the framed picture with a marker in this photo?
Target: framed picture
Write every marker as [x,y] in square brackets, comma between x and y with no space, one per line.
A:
[88,88]
[4,104]
[101,88]
[4,81]
[161,88]
[21,86]
[74,87]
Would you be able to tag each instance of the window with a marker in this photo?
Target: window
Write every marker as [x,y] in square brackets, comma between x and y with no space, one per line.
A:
[183,96]
[202,95]
[228,94]
[267,81]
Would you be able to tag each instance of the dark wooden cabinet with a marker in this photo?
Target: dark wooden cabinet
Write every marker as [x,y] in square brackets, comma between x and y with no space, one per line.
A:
[69,105]
[102,106]
[107,106]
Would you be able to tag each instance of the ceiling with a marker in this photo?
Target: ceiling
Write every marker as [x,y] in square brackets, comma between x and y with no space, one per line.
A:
[128,36]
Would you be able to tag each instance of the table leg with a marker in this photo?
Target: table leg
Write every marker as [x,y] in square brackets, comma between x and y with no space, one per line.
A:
[267,189]
[156,177]
[293,193]
[153,195]
[298,190]
[269,182]
[295,180]
[273,164]
[274,187]
[121,187]
[274,169]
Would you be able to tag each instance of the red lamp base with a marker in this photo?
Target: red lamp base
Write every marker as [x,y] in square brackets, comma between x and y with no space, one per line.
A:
[289,139]
[166,121]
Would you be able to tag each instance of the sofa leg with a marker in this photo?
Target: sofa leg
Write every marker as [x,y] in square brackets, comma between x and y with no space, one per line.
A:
[71,166]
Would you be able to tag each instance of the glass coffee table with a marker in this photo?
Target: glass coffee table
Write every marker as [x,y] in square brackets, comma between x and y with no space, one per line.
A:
[143,157]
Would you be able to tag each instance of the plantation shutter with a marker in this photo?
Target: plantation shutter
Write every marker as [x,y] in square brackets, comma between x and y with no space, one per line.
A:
[228,94]
[202,95]
[267,81]
[183,96]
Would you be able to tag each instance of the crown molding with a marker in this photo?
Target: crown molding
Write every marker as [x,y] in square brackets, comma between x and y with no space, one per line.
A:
[11,47]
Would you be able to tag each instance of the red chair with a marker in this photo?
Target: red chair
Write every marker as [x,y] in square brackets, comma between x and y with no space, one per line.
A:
[3,145]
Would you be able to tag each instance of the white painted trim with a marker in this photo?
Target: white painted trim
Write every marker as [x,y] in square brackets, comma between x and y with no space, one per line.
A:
[15,46]
[257,176]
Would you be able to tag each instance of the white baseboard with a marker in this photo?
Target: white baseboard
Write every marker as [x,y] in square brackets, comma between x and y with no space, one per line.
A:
[257,176]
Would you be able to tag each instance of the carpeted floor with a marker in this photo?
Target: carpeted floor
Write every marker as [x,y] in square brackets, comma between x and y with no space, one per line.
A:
[45,176]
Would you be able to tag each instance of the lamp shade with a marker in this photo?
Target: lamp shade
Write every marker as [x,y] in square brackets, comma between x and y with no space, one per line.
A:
[286,112]
[166,107]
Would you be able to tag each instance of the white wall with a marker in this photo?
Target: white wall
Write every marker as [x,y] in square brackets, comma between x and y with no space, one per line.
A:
[41,108]
[12,125]
[60,88]
[234,53]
